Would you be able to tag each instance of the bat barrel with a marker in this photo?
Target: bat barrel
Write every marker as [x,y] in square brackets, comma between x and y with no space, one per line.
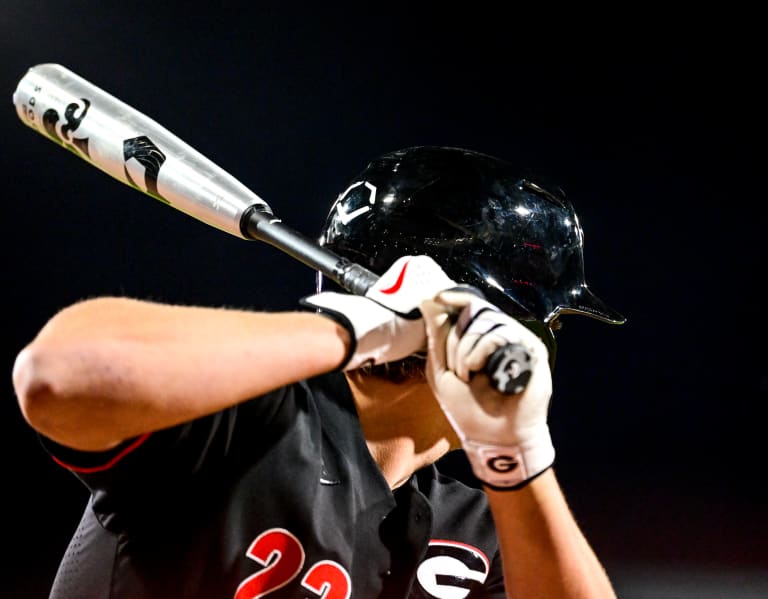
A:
[129,146]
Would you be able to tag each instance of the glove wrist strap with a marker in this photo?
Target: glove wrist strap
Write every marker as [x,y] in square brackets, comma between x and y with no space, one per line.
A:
[509,466]
[377,334]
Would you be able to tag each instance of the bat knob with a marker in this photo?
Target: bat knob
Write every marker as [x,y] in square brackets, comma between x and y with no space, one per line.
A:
[509,368]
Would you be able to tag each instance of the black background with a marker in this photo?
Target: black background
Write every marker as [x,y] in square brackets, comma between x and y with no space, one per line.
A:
[651,124]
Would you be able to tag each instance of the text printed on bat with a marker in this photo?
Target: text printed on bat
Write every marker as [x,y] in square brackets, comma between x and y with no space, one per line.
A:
[61,131]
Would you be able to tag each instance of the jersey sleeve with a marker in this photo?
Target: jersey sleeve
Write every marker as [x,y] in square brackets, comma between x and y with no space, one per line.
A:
[191,451]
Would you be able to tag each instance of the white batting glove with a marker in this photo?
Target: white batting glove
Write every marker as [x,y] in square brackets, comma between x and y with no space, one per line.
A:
[385,324]
[506,437]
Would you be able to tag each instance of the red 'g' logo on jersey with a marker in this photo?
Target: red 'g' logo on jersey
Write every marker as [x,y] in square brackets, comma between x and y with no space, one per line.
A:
[450,570]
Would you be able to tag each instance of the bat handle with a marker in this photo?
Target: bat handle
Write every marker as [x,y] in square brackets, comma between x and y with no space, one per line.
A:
[260,224]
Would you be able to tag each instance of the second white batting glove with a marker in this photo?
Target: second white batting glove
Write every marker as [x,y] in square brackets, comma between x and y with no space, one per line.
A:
[385,324]
[506,437]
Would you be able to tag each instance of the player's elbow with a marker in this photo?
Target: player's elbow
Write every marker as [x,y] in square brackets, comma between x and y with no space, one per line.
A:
[38,390]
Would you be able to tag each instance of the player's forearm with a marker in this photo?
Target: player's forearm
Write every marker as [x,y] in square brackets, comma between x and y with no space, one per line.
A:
[109,369]
[544,552]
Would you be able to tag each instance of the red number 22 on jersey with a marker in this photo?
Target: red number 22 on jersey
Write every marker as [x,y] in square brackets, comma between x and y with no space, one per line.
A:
[282,556]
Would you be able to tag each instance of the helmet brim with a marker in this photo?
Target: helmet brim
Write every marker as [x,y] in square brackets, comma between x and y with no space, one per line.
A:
[583,301]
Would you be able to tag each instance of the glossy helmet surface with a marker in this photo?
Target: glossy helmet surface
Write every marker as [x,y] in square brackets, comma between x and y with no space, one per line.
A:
[487,226]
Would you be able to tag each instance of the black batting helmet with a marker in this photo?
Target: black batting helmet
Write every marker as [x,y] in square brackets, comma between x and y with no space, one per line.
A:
[487,226]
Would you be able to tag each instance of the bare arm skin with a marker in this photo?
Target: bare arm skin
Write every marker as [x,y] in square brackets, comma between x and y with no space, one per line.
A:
[544,552]
[108,369]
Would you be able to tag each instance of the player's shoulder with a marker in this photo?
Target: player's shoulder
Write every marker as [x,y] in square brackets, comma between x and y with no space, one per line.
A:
[448,486]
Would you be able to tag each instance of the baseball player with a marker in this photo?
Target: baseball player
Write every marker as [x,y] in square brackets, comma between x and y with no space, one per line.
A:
[242,454]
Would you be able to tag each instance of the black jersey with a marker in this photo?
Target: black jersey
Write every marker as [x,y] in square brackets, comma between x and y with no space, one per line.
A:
[275,497]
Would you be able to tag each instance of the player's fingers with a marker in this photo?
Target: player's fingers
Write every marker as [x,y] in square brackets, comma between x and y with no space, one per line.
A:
[451,348]
[456,298]
[475,359]
[438,324]
[472,326]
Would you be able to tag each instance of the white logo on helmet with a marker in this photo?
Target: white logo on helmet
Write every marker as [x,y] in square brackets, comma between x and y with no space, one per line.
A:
[347,217]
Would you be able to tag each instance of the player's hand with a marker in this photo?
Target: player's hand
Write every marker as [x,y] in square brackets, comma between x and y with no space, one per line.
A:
[385,325]
[505,437]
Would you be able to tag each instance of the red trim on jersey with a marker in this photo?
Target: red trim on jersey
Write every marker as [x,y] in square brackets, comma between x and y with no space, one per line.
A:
[471,548]
[109,464]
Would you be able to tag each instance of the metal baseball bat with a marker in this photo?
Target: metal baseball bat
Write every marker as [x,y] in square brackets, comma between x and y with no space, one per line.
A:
[136,150]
